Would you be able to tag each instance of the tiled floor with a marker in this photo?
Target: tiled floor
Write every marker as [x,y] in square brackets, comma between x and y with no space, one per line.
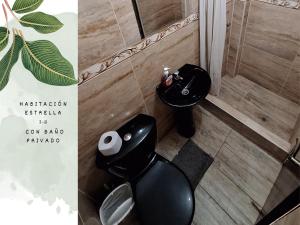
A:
[275,113]
[234,188]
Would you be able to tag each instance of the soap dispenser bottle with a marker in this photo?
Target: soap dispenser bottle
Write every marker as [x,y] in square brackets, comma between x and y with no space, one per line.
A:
[165,75]
[166,79]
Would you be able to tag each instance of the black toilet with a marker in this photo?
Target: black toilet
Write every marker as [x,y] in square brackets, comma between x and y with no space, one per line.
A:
[162,193]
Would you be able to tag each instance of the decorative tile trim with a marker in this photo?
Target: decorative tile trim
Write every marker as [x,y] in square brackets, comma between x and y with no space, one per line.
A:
[294,4]
[118,57]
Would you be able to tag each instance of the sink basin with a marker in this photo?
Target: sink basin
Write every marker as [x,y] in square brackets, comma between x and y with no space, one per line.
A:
[191,87]
[188,91]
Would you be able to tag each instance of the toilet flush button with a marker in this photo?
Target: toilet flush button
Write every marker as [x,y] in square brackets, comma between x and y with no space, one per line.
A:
[127,137]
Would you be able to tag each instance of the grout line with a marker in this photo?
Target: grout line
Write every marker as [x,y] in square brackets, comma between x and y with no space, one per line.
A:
[139,86]
[289,73]
[80,217]
[224,142]
[240,38]
[243,34]
[113,9]
[230,32]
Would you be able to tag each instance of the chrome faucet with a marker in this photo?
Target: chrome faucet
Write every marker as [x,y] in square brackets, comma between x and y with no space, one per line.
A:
[176,76]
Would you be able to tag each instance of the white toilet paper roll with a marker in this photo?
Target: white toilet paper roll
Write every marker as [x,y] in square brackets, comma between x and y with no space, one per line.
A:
[110,143]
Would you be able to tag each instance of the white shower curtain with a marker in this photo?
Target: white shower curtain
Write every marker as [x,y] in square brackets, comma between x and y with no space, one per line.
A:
[212,19]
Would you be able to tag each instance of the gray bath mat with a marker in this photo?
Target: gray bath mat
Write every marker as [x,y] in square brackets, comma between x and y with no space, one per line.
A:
[193,161]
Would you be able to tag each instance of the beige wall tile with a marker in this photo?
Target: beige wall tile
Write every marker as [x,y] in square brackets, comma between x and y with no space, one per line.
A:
[263,68]
[291,89]
[99,33]
[157,14]
[173,51]
[105,103]
[278,35]
[271,45]
[127,21]
[93,180]
[161,112]
[192,6]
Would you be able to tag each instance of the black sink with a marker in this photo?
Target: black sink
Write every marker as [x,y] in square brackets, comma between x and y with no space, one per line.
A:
[192,86]
[195,80]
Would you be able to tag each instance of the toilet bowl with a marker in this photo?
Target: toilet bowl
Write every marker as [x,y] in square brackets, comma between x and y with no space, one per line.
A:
[162,193]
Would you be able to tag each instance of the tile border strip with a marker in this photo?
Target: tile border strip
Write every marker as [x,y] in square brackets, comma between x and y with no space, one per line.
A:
[118,57]
[294,4]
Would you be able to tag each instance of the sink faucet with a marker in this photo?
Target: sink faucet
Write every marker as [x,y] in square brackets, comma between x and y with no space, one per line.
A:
[176,76]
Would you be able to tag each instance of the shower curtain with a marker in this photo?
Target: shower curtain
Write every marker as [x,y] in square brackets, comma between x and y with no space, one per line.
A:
[212,20]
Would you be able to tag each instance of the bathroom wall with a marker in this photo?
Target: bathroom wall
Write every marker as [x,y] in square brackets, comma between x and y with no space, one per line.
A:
[105,26]
[109,26]
[108,100]
[265,48]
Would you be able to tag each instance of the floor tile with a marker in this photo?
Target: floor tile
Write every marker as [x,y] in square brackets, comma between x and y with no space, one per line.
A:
[252,154]
[248,167]
[170,144]
[208,211]
[273,112]
[230,197]
[234,89]
[210,131]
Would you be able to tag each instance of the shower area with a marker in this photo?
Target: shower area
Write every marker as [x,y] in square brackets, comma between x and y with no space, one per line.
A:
[261,71]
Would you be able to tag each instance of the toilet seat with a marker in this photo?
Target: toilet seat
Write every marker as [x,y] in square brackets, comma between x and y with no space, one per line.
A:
[164,196]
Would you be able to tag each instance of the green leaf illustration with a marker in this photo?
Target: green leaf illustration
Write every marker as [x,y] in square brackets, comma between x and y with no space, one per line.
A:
[41,22]
[9,60]
[4,34]
[25,6]
[45,62]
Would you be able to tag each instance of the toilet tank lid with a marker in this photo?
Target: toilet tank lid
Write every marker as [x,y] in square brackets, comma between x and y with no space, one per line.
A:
[140,127]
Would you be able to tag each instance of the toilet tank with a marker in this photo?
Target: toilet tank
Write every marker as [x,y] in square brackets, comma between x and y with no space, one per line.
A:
[137,151]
